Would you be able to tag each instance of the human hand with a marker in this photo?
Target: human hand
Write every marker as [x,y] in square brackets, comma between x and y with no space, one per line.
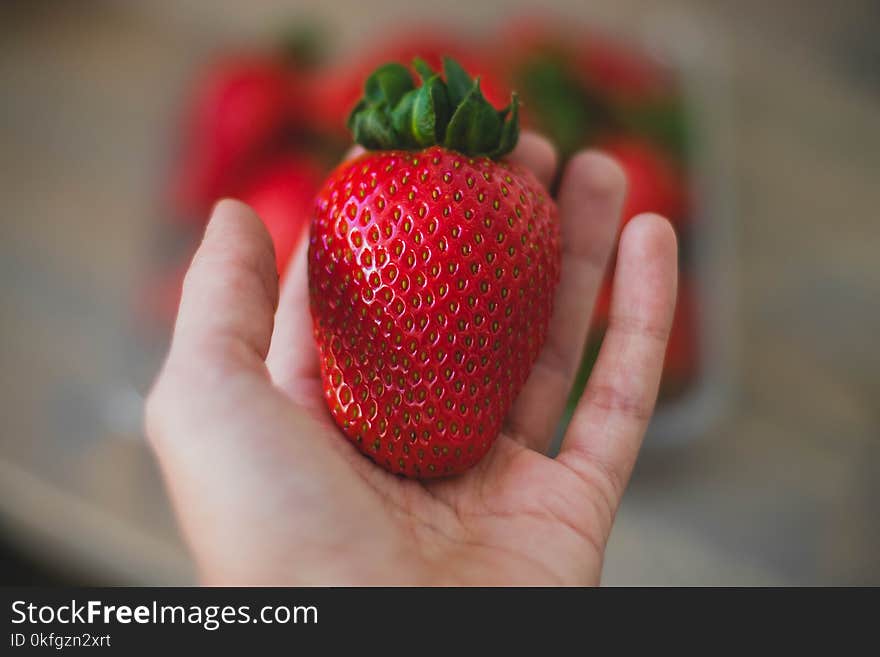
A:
[267,489]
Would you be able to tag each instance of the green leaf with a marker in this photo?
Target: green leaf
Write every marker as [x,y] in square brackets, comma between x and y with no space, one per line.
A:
[475,127]
[420,118]
[388,84]
[564,110]
[373,130]
[396,114]
[422,68]
[430,113]
[665,123]
[401,121]
[304,45]
[360,107]
[458,81]
[509,131]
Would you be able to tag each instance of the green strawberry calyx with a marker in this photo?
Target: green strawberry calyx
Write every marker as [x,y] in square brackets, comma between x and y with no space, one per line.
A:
[395,114]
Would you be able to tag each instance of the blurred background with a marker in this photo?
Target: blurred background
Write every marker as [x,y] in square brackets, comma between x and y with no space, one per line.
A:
[753,124]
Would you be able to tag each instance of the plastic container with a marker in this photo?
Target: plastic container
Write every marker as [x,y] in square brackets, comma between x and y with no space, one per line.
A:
[689,405]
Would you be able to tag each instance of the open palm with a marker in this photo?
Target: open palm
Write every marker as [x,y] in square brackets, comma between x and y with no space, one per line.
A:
[267,489]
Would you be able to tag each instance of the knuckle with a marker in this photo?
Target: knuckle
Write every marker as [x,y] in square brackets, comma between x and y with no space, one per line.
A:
[605,484]
[600,172]
[613,399]
[638,327]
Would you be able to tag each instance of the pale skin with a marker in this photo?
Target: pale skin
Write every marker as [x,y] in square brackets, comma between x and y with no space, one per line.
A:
[268,491]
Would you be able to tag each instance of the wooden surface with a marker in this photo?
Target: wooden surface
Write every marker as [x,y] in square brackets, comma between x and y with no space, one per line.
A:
[784,489]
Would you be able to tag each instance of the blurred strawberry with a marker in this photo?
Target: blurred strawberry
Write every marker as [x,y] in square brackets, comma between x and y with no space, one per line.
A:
[611,68]
[282,194]
[598,325]
[642,95]
[621,72]
[602,306]
[556,104]
[682,362]
[577,82]
[539,58]
[155,304]
[237,112]
[654,182]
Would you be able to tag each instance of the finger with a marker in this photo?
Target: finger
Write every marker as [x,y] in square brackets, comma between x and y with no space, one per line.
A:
[293,356]
[606,431]
[354,152]
[236,454]
[590,201]
[229,294]
[222,332]
[536,154]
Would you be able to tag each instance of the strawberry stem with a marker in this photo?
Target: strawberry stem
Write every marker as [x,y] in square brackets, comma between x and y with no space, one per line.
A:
[394,113]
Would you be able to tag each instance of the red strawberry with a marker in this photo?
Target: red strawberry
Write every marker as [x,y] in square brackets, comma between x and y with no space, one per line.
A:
[642,96]
[654,182]
[236,113]
[682,362]
[539,57]
[620,71]
[432,269]
[602,307]
[577,82]
[598,326]
[158,299]
[611,67]
[282,195]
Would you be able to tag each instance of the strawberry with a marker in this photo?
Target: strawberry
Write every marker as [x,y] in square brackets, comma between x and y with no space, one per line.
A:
[643,96]
[238,111]
[621,72]
[540,59]
[157,301]
[612,68]
[602,307]
[654,183]
[282,195]
[682,364]
[577,83]
[432,270]
[599,324]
